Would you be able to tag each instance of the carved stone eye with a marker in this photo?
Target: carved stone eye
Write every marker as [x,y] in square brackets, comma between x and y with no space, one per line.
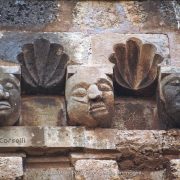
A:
[175,83]
[104,87]
[80,92]
[9,85]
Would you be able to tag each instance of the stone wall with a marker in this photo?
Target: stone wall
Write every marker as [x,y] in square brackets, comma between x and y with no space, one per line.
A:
[134,147]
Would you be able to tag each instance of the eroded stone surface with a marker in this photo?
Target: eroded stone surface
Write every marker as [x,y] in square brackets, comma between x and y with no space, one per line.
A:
[21,137]
[67,137]
[11,167]
[19,13]
[174,169]
[146,149]
[43,111]
[96,169]
[132,113]
[142,146]
[91,15]
[62,173]
[90,98]
[141,175]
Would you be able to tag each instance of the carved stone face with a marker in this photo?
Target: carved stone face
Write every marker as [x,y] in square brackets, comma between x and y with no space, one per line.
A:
[171,98]
[90,99]
[9,99]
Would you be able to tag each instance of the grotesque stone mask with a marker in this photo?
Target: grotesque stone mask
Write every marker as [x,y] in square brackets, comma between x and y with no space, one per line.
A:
[170,97]
[90,98]
[9,99]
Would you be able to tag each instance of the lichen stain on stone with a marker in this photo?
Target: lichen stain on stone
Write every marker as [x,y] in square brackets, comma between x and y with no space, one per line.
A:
[21,13]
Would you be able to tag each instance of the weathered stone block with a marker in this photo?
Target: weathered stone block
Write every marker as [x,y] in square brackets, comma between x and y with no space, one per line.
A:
[21,137]
[11,167]
[141,175]
[43,111]
[98,156]
[61,173]
[96,169]
[174,169]
[65,137]
[132,113]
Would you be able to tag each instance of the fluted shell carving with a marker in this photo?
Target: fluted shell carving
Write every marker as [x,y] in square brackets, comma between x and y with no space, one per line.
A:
[43,64]
[135,64]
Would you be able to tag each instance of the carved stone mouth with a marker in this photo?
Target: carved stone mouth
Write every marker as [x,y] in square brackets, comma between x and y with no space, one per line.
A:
[4,105]
[98,106]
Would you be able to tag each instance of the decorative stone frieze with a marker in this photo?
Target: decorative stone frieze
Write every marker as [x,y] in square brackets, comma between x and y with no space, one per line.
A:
[169,98]
[9,93]
[135,64]
[43,66]
[90,97]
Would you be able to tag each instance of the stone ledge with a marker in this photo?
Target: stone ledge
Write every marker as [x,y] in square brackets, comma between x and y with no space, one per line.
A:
[141,141]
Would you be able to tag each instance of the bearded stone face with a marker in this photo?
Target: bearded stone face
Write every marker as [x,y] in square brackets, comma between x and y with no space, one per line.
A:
[9,99]
[90,99]
[170,96]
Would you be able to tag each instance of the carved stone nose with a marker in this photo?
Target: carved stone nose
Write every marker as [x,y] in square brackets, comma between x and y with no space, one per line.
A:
[93,92]
[3,93]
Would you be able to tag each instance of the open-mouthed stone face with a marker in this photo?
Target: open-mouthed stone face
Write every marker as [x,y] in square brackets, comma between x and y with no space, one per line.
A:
[171,97]
[90,98]
[9,99]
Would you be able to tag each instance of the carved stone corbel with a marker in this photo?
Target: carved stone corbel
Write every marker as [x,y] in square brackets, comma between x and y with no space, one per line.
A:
[169,97]
[89,96]
[10,93]
[43,67]
[135,64]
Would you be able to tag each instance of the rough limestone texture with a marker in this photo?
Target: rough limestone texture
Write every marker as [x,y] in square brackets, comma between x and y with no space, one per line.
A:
[49,173]
[19,13]
[124,141]
[96,169]
[174,169]
[43,111]
[11,167]
[132,113]
[21,137]
[90,15]
[102,44]
[76,45]
[141,175]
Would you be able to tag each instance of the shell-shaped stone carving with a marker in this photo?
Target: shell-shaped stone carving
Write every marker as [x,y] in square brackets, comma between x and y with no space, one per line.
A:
[43,64]
[135,64]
